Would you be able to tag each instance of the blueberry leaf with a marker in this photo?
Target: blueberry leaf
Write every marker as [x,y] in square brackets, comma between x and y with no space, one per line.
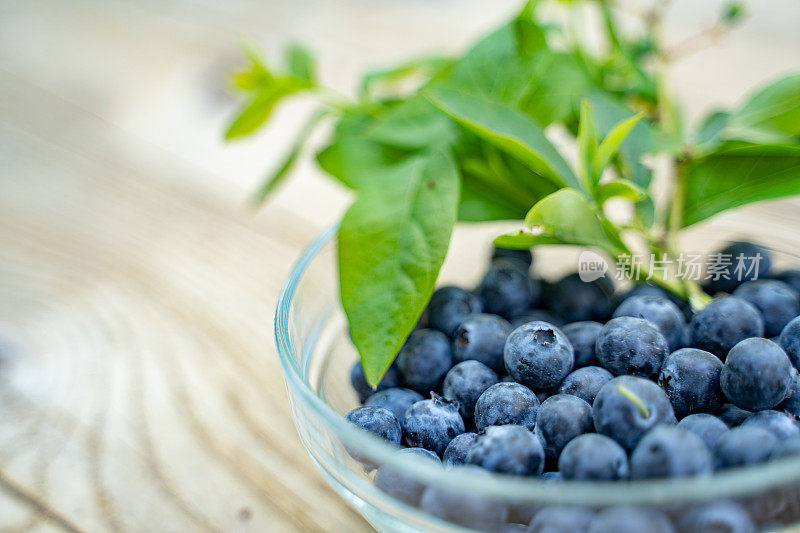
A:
[775,108]
[610,144]
[619,188]
[413,123]
[259,106]
[587,144]
[523,240]
[301,63]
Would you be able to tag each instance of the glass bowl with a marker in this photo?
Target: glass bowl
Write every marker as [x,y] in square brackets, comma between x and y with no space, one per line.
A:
[316,356]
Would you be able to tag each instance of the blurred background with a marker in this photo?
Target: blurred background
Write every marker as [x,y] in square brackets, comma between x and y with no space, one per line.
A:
[139,388]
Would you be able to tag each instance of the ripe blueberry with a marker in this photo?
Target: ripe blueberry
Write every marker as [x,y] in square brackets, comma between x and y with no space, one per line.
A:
[777,302]
[745,446]
[790,341]
[708,427]
[561,519]
[667,451]
[506,289]
[482,337]
[508,449]
[395,399]
[585,382]
[631,346]
[575,301]
[747,261]
[506,403]
[757,374]
[718,516]
[660,311]
[378,421]
[593,457]
[723,323]
[690,377]
[777,423]
[560,419]
[402,486]
[465,383]
[424,360]
[432,424]
[538,355]
[456,452]
[363,389]
[449,307]
[583,336]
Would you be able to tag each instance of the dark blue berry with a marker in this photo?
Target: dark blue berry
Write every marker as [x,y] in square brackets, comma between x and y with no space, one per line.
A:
[465,383]
[777,302]
[560,419]
[630,520]
[538,355]
[593,457]
[791,278]
[654,291]
[732,415]
[741,256]
[535,315]
[575,301]
[791,404]
[627,407]
[432,424]
[482,337]
[690,377]
[708,427]
[523,256]
[506,403]
[395,399]
[631,346]
[779,424]
[585,382]
[723,323]
[463,508]
[508,449]
[378,421]
[456,452]
[400,485]
[790,341]
[720,517]
[788,448]
[561,519]
[661,312]
[745,446]
[363,389]
[583,336]
[506,289]
[449,307]
[757,374]
[424,360]
[667,451]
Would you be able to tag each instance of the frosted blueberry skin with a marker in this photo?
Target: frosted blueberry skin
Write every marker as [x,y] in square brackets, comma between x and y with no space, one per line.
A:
[787,448]
[463,507]
[482,337]
[432,424]
[777,423]
[791,404]
[424,360]
[757,374]
[791,278]
[538,355]
[618,417]
[583,337]
[732,415]
[395,399]
[708,427]
[629,519]
[666,316]
[777,302]
[667,451]
[723,323]
[523,256]
[561,519]
[456,452]
[402,486]
[593,457]
[690,377]
[576,301]
[743,446]
[585,382]
[506,288]
[790,341]
[378,421]
[363,389]
[631,346]
[560,419]
[718,516]
[509,449]
[449,307]
[465,383]
[534,315]
[750,253]
[506,403]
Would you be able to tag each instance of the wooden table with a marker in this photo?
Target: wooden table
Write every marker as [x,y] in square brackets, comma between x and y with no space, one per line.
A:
[139,388]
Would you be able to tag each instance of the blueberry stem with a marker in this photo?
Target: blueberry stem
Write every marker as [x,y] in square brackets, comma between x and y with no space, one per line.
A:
[629,394]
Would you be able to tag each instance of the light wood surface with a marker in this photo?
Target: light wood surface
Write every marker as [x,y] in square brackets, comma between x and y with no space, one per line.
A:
[139,388]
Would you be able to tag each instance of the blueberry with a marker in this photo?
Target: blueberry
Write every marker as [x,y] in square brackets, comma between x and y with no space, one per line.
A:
[708,427]
[506,289]
[395,399]
[551,476]
[777,423]
[560,419]
[757,374]
[790,341]
[650,290]
[576,301]
[456,452]
[508,449]
[745,446]
[363,389]
[466,382]
[791,404]
[523,256]
[424,360]
[593,457]
[723,323]
[535,315]
[449,307]
[788,448]
[561,519]
[777,302]
[791,278]
[661,312]
[506,403]
[432,424]
[631,346]
[378,421]
[482,337]
[741,255]
[402,486]
[690,377]
[583,336]
[627,519]
[585,382]
[727,517]
[538,355]
[463,508]
[667,451]
[627,407]
[732,415]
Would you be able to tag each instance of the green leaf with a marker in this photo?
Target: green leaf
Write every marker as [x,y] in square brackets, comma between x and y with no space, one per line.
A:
[480,204]
[256,75]
[425,67]
[711,127]
[619,188]
[258,108]
[522,240]
[413,123]
[567,216]
[737,174]
[557,85]
[587,144]
[608,148]
[301,63]
[773,109]
[508,129]
[391,245]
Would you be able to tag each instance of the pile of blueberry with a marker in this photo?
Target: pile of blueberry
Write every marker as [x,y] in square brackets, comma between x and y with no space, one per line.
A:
[572,381]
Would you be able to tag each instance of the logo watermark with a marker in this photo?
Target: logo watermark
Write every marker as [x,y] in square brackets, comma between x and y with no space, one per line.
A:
[687,266]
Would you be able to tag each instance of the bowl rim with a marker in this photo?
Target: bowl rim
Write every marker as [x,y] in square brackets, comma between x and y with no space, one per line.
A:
[730,483]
